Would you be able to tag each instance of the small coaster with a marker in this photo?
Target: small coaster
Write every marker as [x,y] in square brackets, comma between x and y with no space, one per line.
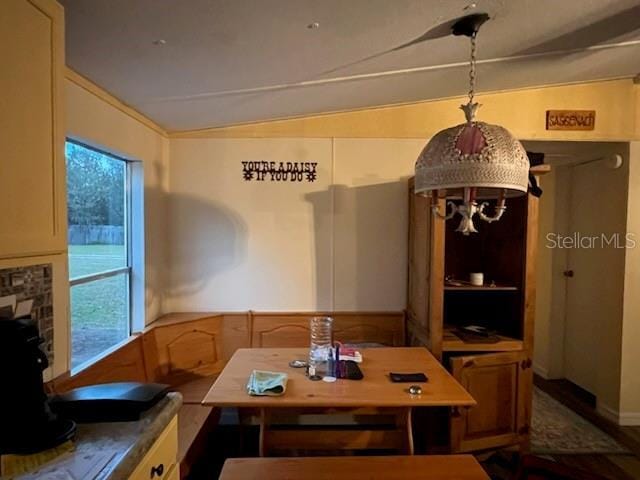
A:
[329,379]
[315,378]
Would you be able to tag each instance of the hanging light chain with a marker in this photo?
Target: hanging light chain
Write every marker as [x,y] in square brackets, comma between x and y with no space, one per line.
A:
[472,69]
[470,108]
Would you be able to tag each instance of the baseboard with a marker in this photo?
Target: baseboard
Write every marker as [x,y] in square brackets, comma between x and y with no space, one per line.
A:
[629,419]
[540,371]
[607,412]
[625,419]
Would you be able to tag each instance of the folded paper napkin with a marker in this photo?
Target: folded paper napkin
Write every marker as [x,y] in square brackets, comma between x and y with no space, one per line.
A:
[267,383]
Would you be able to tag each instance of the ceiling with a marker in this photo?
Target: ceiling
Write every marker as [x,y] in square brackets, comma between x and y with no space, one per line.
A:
[226,62]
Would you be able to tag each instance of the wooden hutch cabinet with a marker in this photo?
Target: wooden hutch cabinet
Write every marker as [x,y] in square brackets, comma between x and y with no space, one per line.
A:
[496,371]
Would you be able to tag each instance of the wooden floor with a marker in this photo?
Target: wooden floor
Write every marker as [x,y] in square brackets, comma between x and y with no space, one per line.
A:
[623,467]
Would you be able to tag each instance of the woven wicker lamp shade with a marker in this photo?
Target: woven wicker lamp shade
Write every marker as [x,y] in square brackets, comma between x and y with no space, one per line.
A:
[475,154]
[474,160]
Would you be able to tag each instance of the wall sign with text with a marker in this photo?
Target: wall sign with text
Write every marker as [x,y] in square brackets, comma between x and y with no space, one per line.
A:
[571,119]
[261,171]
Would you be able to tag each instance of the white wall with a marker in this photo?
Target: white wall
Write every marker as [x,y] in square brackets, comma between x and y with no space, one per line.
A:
[338,243]
[237,245]
[93,121]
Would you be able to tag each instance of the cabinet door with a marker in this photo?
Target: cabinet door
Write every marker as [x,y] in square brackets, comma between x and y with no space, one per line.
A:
[501,384]
[174,474]
[159,461]
[32,165]
[426,274]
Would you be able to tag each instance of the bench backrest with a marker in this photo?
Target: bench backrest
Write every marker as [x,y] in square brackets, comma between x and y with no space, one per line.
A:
[178,351]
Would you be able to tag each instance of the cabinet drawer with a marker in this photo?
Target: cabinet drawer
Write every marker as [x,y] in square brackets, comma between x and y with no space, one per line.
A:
[159,462]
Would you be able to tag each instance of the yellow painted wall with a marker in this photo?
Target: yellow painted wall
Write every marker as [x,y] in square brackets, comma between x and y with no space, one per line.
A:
[521,111]
[108,125]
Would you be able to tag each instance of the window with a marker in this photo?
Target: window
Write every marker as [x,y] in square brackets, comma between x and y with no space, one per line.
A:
[98,190]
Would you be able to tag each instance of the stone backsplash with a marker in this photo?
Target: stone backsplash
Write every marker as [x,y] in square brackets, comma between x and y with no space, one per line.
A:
[33,283]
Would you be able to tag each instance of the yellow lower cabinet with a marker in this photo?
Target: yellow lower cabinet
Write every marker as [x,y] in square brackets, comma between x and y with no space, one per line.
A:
[174,474]
[160,461]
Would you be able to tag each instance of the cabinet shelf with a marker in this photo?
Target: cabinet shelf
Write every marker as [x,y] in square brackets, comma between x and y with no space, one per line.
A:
[473,288]
[452,343]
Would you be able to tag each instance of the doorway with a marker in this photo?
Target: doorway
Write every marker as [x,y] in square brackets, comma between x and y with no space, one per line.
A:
[586,262]
[594,273]
[580,267]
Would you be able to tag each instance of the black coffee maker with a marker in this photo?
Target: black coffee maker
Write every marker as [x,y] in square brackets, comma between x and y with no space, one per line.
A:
[26,422]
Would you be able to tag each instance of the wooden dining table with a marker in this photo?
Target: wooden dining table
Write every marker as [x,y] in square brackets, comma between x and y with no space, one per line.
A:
[374,395]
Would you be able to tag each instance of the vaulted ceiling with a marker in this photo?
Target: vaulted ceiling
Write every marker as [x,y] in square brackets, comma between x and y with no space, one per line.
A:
[191,64]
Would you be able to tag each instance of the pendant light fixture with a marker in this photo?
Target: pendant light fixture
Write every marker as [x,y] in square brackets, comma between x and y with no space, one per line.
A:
[473,161]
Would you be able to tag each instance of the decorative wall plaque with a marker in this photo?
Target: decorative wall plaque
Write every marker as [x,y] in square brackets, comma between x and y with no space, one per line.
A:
[571,119]
[279,171]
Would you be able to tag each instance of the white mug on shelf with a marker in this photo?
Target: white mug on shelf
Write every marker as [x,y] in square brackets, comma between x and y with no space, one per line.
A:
[476,279]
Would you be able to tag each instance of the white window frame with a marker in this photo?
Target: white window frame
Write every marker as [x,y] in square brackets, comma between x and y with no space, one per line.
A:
[134,239]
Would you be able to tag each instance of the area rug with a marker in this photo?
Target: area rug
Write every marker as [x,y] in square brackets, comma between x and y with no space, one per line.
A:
[556,429]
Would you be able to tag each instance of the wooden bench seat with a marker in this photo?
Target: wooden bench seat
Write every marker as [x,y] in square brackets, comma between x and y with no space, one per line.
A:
[195,422]
[193,392]
[426,467]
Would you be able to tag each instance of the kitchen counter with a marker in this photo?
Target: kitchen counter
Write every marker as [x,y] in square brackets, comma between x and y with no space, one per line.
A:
[129,440]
